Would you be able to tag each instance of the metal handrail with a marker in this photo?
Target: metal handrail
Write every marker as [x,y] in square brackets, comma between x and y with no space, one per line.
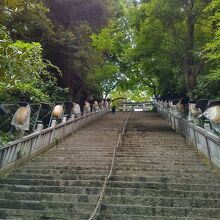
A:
[211,143]
[29,144]
[214,138]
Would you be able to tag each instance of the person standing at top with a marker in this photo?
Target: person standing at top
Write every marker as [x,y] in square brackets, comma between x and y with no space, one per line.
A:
[113,109]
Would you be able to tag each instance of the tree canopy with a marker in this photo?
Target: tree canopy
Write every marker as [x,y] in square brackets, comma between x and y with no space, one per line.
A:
[70,49]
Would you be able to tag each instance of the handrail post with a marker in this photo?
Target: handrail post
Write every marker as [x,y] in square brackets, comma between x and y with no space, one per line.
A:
[209,152]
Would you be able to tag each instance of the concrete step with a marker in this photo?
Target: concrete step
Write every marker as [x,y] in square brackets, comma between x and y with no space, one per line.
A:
[160,211]
[69,164]
[156,159]
[156,165]
[67,171]
[24,214]
[166,173]
[86,152]
[51,197]
[144,217]
[164,179]
[165,186]
[57,176]
[138,141]
[123,191]
[76,160]
[115,178]
[72,155]
[159,154]
[86,208]
[76,150]
[143,169]
[162,201]
[154,146]
[51,189]
[46,182]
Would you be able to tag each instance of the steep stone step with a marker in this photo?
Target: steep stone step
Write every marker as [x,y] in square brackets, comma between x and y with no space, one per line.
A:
[165,186]
[80,150]
[51,189]
[115,178]
[160,211]
[58,176]
[70,166]
[86,208]
[24,214]
[76,160]
[166,173]
[158,153]
[87,151]
[45,182]
[144,217]
[52,197]
[133,156]
[148,144]
[157,161]
[154,146]
[62,171]
[162,201]
[163,169]
[163,156]
[118,191]
[164,179]
[156,165]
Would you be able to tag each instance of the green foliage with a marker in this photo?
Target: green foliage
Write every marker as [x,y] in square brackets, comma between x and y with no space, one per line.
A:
[137,95]
[5,138]
[213,47]
[23,71]
[64,29]
[160,45]
[151,47]
[26,20]
[105,77]
[209,82]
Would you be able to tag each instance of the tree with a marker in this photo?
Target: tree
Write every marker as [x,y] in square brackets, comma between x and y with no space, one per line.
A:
[26,20]
[23,73]
[184,30]
[63,28]
[208,84]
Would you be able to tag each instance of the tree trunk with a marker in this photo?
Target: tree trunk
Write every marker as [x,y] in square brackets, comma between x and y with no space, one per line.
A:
[190,76]
[155,91]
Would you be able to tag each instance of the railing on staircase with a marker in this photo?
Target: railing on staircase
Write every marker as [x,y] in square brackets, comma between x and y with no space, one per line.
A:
[206,142]
[39,141]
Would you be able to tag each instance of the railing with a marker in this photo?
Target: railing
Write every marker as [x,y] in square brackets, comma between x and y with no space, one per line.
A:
[31,144]
[207,143]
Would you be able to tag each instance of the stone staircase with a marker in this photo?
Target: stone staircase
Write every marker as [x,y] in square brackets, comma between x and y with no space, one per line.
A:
[156,176]
[64,183]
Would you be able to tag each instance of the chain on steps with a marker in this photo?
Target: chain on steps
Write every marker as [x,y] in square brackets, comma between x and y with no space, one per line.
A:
[97,208]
